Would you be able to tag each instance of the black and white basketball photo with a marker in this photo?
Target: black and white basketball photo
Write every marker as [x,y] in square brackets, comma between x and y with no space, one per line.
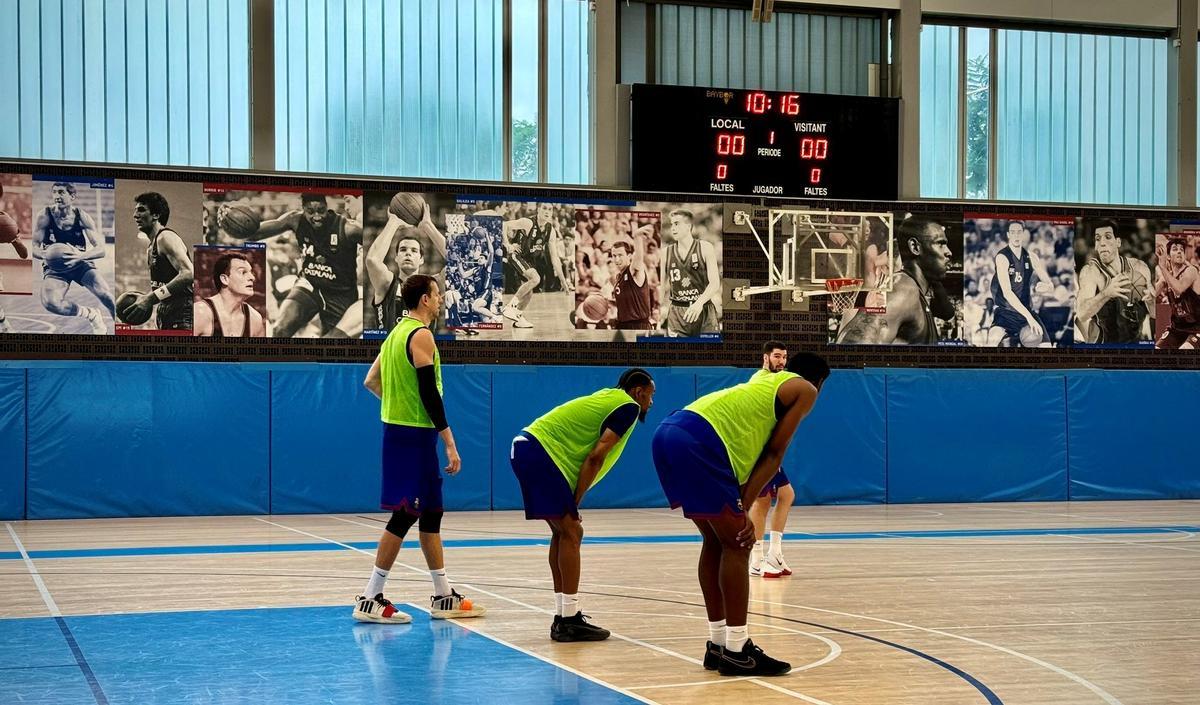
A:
[1020,273]
[404,233]
[313,241]
[689,270]
[923,304]
[474,272]
[617,260]
[1114,264]
[16,243]
[158,224]
[230,291]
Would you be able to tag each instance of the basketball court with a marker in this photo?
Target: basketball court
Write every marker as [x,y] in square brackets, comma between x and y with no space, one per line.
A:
[916,604]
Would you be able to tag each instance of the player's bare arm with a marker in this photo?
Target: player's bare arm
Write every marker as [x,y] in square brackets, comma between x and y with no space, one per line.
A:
[378,273]
[258,326]
[91,234]
[40,231]
[202,319]
[430,231]
[882,328]
[374,379]
[713,290]
[594,461]
[277,226]
[1092,298]
[637,264]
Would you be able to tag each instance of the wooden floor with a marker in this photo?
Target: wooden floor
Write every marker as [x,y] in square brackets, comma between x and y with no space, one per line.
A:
[899,605]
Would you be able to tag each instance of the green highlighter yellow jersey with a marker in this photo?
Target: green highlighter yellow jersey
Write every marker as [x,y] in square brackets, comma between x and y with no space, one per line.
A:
[401,398]
[568,432]
[743,417]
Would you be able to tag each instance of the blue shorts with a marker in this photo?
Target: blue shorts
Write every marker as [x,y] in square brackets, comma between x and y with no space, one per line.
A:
[412,480]
[694,467]
[543,486]
[773,485]
[73,274]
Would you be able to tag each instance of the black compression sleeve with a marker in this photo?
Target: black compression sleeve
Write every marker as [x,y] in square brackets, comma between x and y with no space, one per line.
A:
[427,386]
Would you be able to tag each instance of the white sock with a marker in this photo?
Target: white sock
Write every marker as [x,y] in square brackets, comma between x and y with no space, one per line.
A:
[441,584]
[716,632]
[375,584]
[558,600]
[757,555]
[736,638]
[570,606]
[776,543]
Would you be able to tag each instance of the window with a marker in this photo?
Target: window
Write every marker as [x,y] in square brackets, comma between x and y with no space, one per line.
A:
[710,46]
[136,81]
[1077,117]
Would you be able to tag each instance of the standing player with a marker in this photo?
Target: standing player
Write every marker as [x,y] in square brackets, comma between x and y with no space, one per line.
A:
[169,262]
[407,378]
[1110,309]
[688,275]
[713,458]
[557,459]
[226,314]
[1180,282]
[774,359]
[64,224]
[384,280]
[1016,324]
[917,295]
[529,247]
[631,288]
[328,280]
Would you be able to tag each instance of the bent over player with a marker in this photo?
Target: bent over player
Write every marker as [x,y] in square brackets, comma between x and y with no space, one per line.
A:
[713,458]
[557,459]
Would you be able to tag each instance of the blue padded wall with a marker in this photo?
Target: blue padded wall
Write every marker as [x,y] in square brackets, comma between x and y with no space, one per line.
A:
[12,443]
[147,439]
[325,440]
[976,436]
[468,400]
[1131,435]
[838,454]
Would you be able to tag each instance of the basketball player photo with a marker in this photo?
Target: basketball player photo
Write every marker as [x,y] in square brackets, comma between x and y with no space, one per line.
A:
[689,272]
[403,234]
[474,272]
[16,243]
[158,225]
[1114,261]
[924,305]
[617,286]
[1177,290]
[313,240]
[230,299]
[71,244]
[1023,269]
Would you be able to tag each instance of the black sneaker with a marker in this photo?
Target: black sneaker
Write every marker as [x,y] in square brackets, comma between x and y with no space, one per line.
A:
[577,629]
[750,661]
[554,628]
[712,656]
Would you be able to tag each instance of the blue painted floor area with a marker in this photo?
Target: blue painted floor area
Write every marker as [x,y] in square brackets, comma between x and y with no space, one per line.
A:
[513,542]
[293,655]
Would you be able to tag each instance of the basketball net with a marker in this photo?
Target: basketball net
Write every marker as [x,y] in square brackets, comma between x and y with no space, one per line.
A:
[842,293]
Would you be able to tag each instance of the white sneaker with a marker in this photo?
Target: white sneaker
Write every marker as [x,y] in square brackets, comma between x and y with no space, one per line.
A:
[782,564]
[454,606]
[511,312]
[520,322]
[96,320]
[756,567]
[378,609]
[4,326]
[771,567]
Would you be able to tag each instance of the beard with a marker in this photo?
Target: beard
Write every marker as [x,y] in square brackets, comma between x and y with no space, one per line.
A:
[642,416]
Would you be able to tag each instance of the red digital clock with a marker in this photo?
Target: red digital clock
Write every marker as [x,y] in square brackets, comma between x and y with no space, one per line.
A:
[763,143]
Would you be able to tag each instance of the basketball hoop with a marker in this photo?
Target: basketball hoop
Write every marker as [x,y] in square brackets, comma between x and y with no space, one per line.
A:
[842,293]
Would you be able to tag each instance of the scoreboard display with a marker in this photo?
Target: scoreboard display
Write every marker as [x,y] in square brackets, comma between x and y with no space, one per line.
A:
[763,143]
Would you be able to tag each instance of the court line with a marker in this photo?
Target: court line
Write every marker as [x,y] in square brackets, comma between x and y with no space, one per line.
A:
[76,652]
[792,693]
[541,658]
[33,573]
[1147,544]
[498,596]
[596,541]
